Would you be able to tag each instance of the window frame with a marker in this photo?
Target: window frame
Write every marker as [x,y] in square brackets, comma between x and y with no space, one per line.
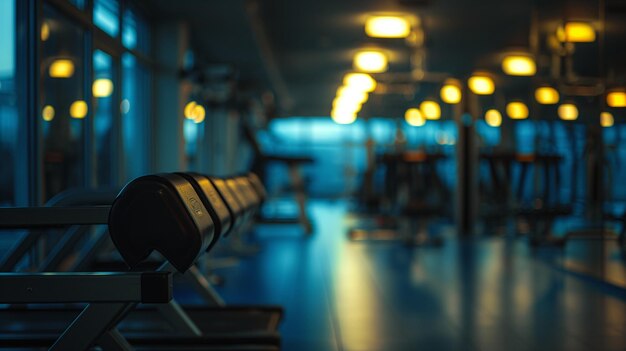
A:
[29,15]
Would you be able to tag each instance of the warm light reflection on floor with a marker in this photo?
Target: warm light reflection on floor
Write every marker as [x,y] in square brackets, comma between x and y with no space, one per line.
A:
[491,293]
[356,301]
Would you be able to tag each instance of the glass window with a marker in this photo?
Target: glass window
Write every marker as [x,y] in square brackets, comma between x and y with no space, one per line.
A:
[135,32]
[104,114]
[135,117]
[8,104]
[525,137]
[62,104]
[129,30]
[488,136]
[78,3]
[194,134]
[615,171]
[106,16]
[340,150]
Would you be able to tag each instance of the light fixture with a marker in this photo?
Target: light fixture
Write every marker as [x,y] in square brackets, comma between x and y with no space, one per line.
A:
[352,94]
[346,105]
[546,95]
[606,119]
[198,114]
[517,110]
[451,92]
[519,65]
[102,87]
[61,68]
[361,81]
[78,109]
[430,109]
[481,84]
[343,117]
[387,27]
[45,31]
[47,113]
[188,112]
[414,117]
[568,112]
[194,111]
[370,61]
[493,117]
[576,32]
[616,99]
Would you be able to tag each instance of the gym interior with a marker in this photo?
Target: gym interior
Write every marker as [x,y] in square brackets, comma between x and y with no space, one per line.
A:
[353,175]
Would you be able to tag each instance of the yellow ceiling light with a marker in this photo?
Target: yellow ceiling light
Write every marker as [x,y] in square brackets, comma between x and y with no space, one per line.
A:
[576,32]
[517,110]
[519,65]
[61,68]
[47,113]
[493,117]
[546,95]
[199,113]
[387,27]
[414,117]
[451,92]
[430,109]
[343,117]
[346,106]
[194,112]
[481,84]
[189,110]
[606,119]
[78,109]
[568,112]
[360,81]
[343,105]
[45,31]
[370,61]
[616,99]
[352,96]
[102,87]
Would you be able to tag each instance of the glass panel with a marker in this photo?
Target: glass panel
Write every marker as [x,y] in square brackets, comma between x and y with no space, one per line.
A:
[62,104]
[78,3]
[104,116]
[135,117]
[193,133]
[340,150]
[135,32]
[615,171]
[106,16]
[8,104]
[129,30]
[488,136]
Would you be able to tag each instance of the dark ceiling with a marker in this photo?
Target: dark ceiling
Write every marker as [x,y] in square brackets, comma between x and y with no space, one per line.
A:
[301,49]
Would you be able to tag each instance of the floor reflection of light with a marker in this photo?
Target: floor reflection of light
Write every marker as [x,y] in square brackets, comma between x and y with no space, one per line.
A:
[490,268]
[356,302]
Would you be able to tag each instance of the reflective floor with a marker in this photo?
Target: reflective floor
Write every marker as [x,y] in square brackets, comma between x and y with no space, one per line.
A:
[484,294]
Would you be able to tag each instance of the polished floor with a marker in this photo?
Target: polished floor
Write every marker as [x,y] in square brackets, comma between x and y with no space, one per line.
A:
[484,294]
